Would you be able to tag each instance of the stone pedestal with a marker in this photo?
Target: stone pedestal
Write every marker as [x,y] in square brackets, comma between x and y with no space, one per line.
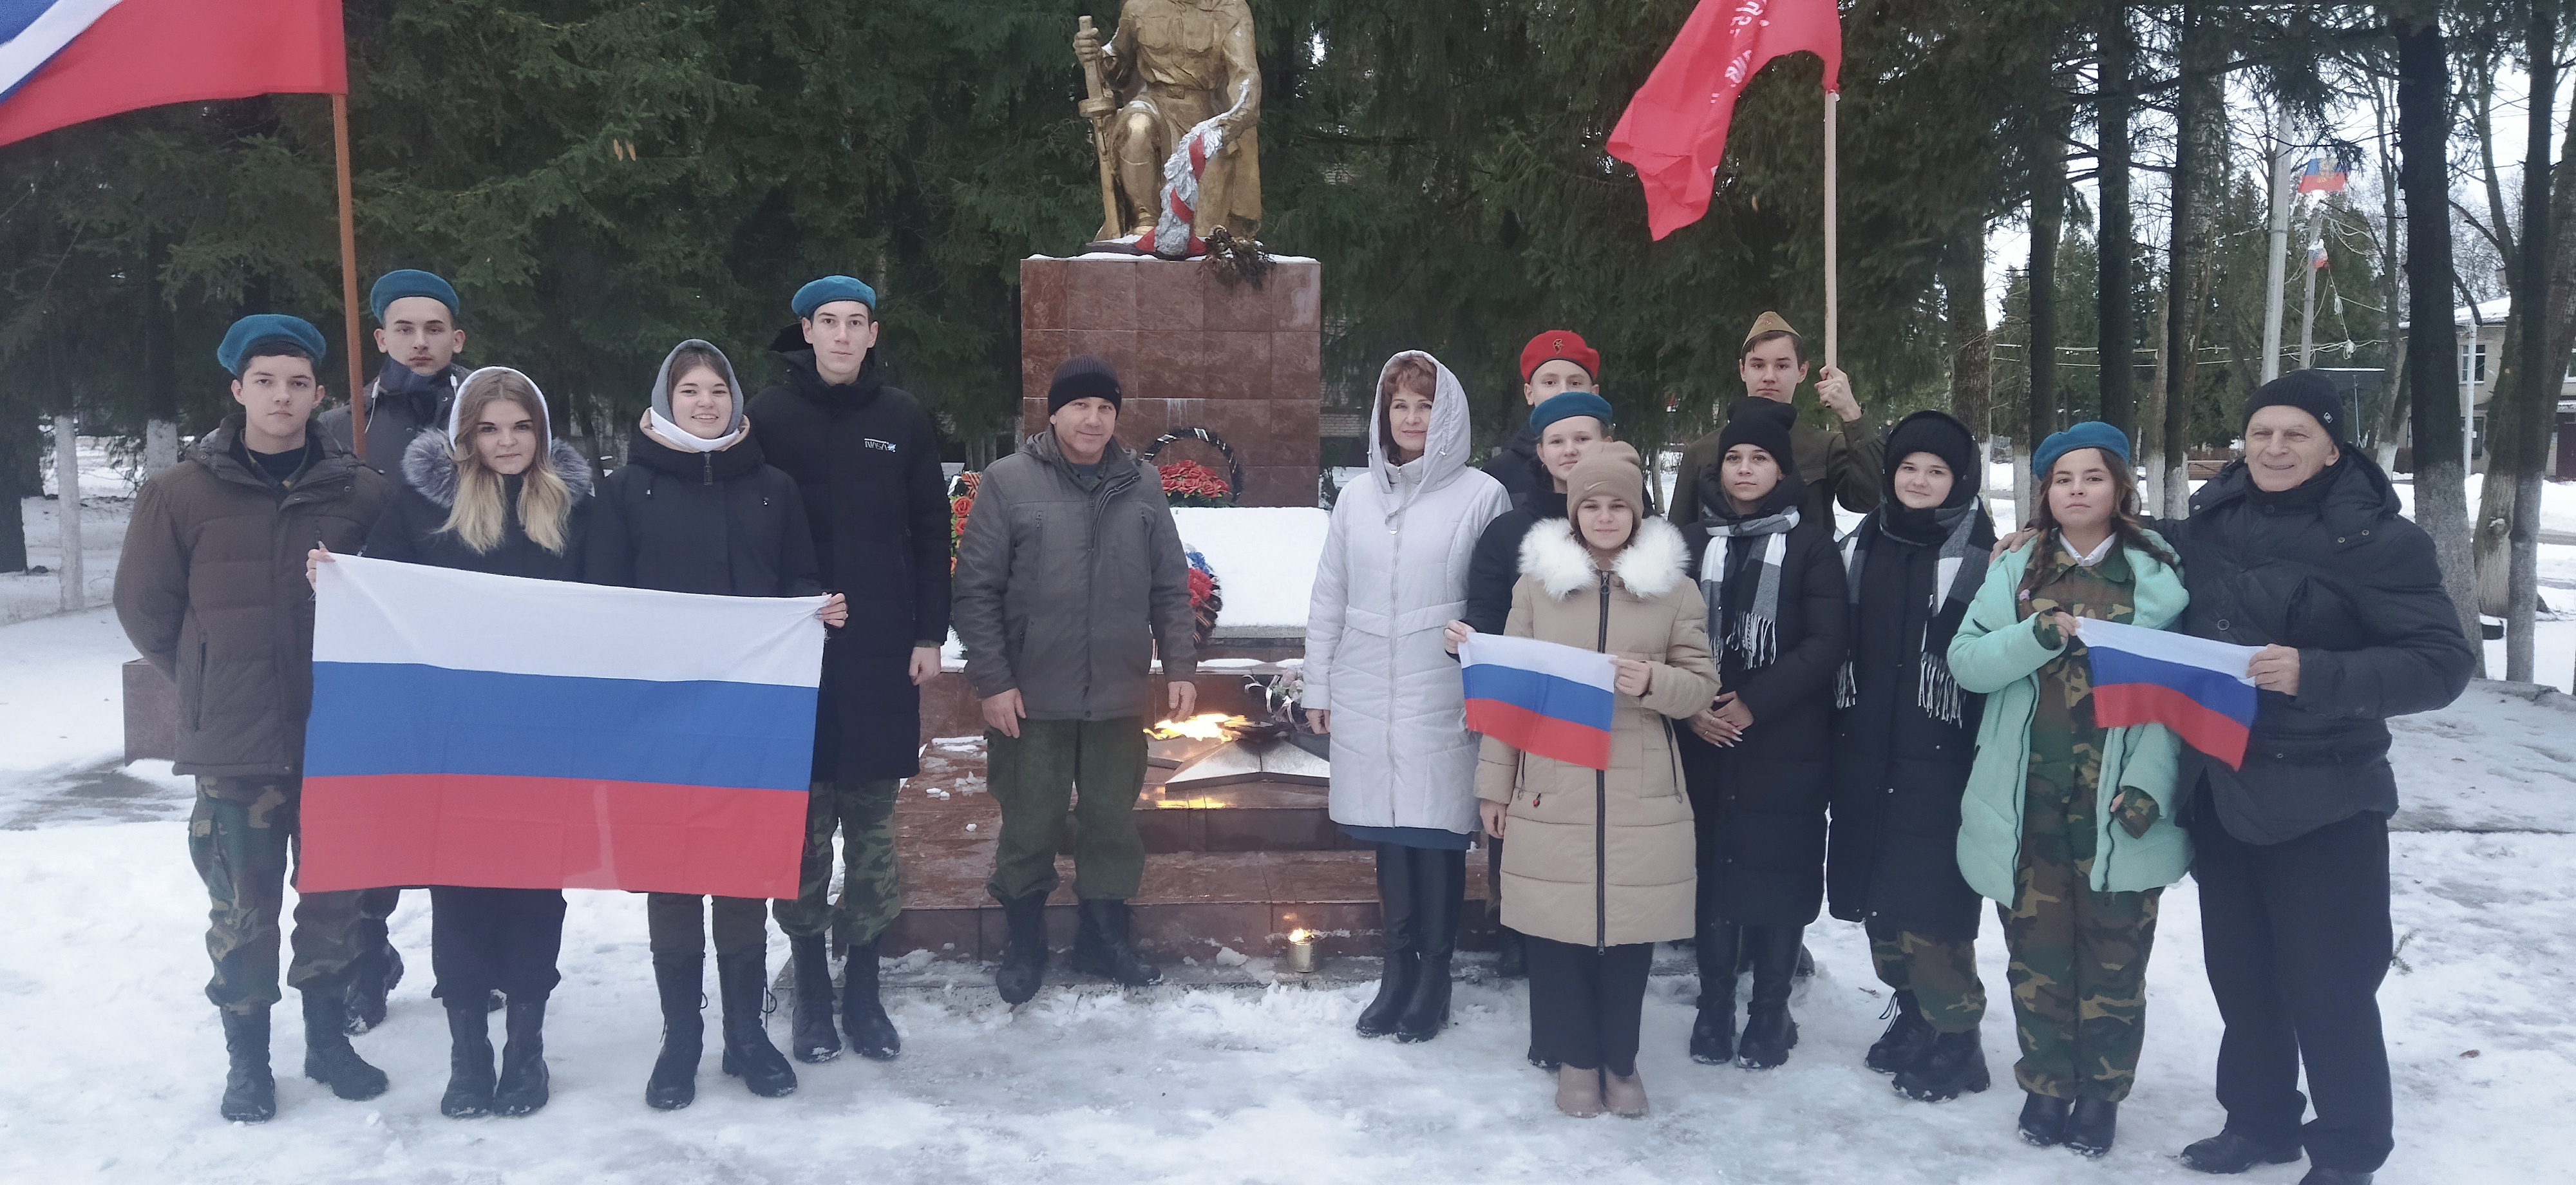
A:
[1192,352]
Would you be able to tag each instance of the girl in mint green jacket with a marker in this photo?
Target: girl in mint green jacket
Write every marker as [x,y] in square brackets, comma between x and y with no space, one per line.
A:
[2066,825]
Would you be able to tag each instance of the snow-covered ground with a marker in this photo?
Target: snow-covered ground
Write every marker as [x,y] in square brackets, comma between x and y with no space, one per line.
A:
[108,480]
[114,1058]
[1263,556]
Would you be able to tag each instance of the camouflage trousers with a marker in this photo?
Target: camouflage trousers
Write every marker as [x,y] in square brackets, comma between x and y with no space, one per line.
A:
[1033,779]
[242,836]
[1942,976]
[2079,957]
[871,882]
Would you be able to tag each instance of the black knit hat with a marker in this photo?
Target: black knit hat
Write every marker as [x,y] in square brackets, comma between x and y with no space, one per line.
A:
[1764,424]
[2309,391]
[1942,436]
[1083,376]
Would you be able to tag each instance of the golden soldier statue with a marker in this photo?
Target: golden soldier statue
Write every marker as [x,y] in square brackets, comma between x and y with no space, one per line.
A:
[1169,66]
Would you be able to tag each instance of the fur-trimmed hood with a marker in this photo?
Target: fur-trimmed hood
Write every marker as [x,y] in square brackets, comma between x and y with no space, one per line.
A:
[430,467]
[1653,564]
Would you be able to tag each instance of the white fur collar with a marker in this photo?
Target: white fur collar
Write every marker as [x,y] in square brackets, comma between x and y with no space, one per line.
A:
[1650,567]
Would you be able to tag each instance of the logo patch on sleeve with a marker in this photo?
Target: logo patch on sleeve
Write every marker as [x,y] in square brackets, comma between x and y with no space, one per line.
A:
[885,446]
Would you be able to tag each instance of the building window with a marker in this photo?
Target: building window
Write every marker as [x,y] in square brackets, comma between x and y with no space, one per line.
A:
[2473,363]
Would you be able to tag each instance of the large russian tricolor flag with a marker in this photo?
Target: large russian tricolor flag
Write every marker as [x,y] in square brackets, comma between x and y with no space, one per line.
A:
[504,733]
[66,61]
[2195,686]
[1540,697]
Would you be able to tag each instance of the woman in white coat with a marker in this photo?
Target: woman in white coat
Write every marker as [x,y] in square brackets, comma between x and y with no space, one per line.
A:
[1381,681]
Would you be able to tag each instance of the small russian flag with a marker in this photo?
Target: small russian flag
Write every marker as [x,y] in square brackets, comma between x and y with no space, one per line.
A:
[2195,686]
[1540,697]
[2319,177]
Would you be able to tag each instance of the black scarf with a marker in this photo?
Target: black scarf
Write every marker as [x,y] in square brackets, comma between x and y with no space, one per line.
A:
[1964,534]
[419,394]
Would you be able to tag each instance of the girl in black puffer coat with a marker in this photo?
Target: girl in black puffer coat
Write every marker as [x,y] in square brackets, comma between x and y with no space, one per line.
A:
[1756,762]
[696,510]
[1904,737]
[495,493]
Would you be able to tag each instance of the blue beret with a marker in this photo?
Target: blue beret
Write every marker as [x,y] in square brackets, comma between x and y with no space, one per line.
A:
[407,282]
[831,288]
[1567,406]
[260,328]
[2089,434]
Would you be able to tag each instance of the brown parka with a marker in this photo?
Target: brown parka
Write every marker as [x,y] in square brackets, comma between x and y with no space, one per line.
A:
[1566,876]
[211,590]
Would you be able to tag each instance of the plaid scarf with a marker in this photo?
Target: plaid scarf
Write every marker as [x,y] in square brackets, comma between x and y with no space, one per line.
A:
[1755,633]
[1956,578]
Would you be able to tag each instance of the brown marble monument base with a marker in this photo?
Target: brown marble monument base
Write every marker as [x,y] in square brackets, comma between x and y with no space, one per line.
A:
[1191,351]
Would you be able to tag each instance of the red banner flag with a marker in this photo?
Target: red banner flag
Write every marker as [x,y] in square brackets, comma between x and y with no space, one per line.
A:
[1674,130]
[144,53]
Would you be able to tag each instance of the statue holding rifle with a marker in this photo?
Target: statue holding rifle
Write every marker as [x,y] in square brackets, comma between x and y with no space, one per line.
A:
[1175,109]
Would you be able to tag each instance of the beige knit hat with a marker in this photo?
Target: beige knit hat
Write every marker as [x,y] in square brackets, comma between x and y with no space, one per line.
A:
[1610,468]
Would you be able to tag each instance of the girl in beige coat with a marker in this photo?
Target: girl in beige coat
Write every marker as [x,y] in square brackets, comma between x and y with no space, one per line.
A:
[1600,865]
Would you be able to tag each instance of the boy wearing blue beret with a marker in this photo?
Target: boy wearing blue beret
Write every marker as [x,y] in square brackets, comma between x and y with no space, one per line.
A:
[211,591]
[416,331]
[866,457]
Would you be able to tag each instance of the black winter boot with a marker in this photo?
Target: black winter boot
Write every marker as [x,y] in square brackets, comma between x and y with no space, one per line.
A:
[250,1091]
[469,1062]
[674,1083]
[2043,1121]
[328,1057]
[1952,1065]
[1907,1039]
[1769,1031]
[863,1014]
[1397,902]
[2321,1175]
[2228,1152]
[372,976]
[1100,947]
[1511,953]
[810,1033]
[1712,1035]
[742,981]
[522,1088]
[2090,1126]
[1024,961]
[1440,890]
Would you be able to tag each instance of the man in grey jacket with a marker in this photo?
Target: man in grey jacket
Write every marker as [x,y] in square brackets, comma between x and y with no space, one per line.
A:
[416,332]
[1070,578]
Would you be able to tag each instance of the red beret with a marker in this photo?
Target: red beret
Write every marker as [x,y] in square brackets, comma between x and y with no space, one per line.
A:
[1559,343]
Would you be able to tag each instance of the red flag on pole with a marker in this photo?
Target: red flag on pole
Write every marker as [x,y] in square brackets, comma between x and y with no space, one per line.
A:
[1674,130]
[79,60]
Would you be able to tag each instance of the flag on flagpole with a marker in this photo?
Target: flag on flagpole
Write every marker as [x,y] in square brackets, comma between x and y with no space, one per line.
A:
[1539,697]
[497,732]
[64,62]
[2195,686]
[2318,177]
[1674,130]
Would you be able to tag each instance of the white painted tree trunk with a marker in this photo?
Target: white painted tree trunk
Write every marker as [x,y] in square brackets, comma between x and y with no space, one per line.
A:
[67,515]
[2178,485]
[160,446]
[2023,508]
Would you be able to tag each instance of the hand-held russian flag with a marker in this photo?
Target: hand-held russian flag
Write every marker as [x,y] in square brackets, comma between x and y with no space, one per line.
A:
[496,732]
[2195,686]
[1674,130]
[64,62]
[1540,697]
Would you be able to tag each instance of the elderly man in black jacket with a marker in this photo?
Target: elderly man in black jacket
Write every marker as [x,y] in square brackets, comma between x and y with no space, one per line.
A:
[2299,549]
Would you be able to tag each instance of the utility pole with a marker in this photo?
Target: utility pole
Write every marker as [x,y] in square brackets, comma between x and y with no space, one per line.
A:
[2278,257]
[2308,305]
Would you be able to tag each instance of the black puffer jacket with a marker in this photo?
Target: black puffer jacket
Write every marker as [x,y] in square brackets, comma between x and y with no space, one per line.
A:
[1495,566]
[410,529]
[2332,569]
[723,523]
[865,456]
[1760,804]
[1516,466]
[1898,770]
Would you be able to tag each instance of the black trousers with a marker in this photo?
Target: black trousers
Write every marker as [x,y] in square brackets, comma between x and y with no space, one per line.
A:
[2297,939]
[481,940]
[1585,1004]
